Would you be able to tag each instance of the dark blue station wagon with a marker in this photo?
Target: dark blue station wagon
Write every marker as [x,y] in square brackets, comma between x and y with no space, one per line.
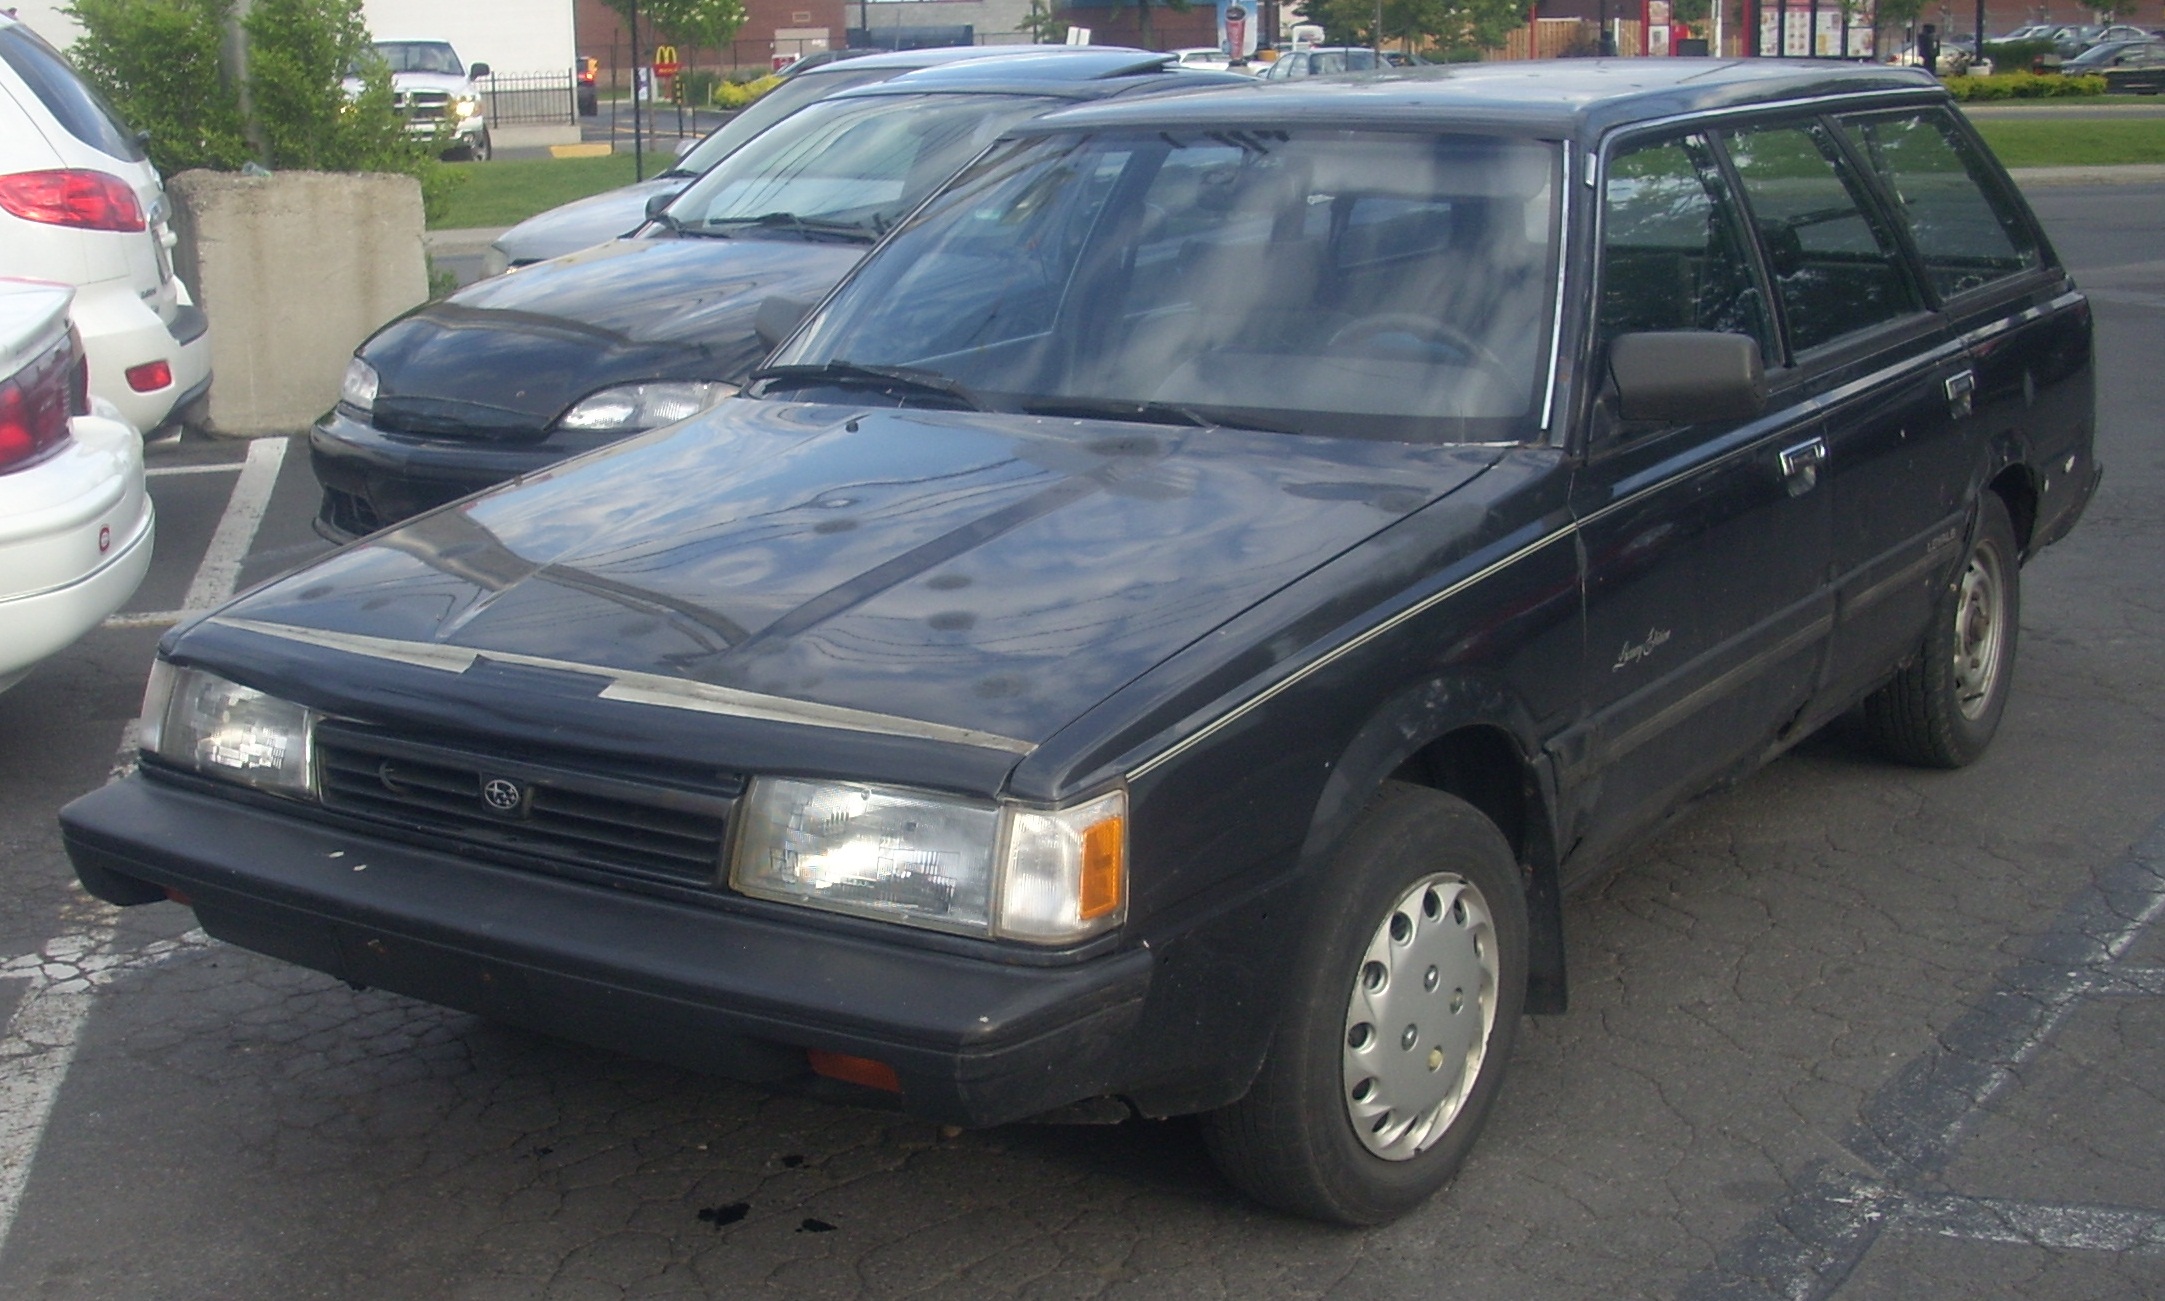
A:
[1163,635]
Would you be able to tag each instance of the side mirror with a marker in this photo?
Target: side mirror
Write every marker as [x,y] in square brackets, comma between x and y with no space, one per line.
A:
[656,202]
[778,318]
[686,145]
[478,71]
[1688,376]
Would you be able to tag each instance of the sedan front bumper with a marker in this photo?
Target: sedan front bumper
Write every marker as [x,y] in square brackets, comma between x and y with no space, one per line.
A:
[372,479]
[973,1041]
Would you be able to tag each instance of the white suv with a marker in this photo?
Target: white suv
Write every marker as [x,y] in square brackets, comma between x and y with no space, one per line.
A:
[81,204]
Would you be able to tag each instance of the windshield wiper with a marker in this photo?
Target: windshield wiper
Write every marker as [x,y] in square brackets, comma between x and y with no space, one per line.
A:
[846,374]
[809,228]
[1149,413]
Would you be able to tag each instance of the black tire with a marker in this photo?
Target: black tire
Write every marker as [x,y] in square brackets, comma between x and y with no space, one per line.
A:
[483,149]
[1942,709]
[1291,1142]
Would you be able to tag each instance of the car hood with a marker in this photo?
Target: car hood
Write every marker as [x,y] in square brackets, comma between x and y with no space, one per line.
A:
[504,357]
[585,223]
[984,579]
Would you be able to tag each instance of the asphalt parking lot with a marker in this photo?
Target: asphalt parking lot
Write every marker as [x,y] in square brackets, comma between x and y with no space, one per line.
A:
[1849,1030]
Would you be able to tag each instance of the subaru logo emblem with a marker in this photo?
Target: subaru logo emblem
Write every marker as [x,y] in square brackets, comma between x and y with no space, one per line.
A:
[502,795]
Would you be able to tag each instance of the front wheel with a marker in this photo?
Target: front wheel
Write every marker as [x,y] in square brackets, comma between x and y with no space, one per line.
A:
[1943,709]
[1398,1024]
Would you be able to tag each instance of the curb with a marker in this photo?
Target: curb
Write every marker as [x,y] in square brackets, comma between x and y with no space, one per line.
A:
[2123,174]
[464,240]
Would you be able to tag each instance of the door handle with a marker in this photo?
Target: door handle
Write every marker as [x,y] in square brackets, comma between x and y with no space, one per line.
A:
[1961,391]
[1800,465]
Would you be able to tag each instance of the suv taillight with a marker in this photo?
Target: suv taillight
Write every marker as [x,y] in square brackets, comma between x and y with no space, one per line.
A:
[72,196]
[35,404]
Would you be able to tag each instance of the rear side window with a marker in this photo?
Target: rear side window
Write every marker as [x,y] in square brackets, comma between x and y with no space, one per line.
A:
[1836,270]
[1673,247]
[81,111]
[1966,232]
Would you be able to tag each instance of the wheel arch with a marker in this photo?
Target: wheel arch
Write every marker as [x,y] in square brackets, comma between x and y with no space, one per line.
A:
[2015,485]
[1469,739]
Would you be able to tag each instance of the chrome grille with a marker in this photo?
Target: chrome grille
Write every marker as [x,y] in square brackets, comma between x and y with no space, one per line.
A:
[607,818]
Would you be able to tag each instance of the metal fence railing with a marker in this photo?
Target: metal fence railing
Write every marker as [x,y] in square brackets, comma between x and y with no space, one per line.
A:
[530,98]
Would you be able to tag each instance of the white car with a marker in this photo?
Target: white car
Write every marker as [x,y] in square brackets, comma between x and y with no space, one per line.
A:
[76,526]
[81,204]
[1207,57]
[433,88]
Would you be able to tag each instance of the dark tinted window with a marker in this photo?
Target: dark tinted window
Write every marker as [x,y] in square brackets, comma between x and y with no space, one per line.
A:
[1966,232]
[81,111]
[420,56]
[1673,251]
[1835,270]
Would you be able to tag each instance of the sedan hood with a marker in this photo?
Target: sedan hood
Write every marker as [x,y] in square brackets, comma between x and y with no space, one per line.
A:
[584,223]
[505,357]
[987,578]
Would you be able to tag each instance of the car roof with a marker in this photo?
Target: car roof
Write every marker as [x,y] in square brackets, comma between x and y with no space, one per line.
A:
[938,55]
[1561,96]
[1081,74]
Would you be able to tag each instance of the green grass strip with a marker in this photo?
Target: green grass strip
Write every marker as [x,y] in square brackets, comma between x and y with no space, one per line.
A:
[508,192]
[2084,142]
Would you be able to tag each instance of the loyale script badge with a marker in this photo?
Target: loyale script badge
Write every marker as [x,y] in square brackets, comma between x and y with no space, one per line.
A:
[1634,651]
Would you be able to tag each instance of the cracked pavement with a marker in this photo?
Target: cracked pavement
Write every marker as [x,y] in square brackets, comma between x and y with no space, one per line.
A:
[1772,1001]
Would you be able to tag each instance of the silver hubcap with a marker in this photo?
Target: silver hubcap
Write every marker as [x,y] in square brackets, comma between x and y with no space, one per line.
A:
[1980,627]
[1417,1025]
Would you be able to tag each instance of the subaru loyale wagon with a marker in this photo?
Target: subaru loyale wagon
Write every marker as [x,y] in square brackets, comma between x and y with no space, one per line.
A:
[1164,632]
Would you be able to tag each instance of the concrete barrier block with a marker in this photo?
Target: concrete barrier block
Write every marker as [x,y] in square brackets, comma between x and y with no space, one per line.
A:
[293,270]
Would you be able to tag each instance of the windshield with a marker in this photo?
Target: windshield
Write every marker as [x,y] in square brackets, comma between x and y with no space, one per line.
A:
[771,108]
[853,166]
[1371,284]
[420,56]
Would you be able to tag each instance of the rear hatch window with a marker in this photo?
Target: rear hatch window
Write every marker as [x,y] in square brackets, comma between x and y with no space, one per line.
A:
[79,109]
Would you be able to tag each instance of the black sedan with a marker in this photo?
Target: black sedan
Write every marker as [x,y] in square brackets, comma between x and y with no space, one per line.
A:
[515,373]
[1165,633]
[2128,67]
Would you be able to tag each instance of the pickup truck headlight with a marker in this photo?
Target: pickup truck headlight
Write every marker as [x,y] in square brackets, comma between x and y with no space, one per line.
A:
[198,720]
[923,859]
[629,408]
[465,106]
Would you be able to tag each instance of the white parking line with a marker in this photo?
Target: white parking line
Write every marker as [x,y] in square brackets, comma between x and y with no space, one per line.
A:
[65,973]
[222,467]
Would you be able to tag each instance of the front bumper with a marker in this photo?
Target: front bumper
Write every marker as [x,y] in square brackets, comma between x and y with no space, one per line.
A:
[372,479]
[973,1041]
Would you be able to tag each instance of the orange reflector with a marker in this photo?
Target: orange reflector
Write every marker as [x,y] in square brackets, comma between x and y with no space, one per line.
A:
[179,898]
[854,1070]
[1104,863]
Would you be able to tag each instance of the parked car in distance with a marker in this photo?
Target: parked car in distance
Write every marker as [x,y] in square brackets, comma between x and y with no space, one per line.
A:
[1330,60]
[76,527]
[80,203]
[435,91]
[510,375]
[586,71]
[1166,631]
[616,213]
[1207,57]
[2128,67]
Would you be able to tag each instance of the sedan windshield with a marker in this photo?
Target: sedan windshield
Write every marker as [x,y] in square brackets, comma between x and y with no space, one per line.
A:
[420,56]
[769,109]
[1390,285]
[851,166]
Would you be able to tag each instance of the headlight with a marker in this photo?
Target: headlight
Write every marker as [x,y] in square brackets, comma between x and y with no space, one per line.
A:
[1047,876]
[465,107]
[629,408]
[358,388]
[198,720]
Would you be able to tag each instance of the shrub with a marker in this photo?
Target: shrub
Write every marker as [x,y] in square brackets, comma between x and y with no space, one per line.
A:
[737,94]
[158,61]
[2024,85]
[158,64]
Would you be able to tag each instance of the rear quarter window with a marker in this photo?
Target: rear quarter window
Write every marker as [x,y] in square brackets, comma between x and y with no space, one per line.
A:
[1966,231]
[81,111]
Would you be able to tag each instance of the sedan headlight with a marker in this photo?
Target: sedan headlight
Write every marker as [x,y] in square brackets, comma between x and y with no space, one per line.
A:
[358,388]
[1047,876]
[198,720]
[629,408]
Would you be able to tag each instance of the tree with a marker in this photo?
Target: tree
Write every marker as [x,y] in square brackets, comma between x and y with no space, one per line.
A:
[1042,24]
[1452,25]
[693,24]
